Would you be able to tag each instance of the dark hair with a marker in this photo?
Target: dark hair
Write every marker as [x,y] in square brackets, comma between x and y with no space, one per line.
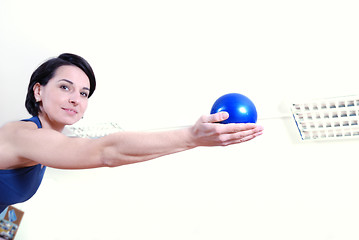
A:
[46,71]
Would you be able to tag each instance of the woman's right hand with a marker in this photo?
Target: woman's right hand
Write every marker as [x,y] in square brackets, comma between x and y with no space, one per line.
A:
[209,132]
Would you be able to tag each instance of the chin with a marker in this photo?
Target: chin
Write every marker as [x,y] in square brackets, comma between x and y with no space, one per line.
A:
[70,121]
[73,121]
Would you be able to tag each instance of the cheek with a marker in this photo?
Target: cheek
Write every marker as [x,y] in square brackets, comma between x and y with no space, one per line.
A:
[84,105]
[50,103]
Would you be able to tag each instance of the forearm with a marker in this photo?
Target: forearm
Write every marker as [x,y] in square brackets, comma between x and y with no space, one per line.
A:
[132,147]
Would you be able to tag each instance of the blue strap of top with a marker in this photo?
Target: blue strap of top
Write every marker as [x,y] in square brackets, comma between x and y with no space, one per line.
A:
[19,185]
[35,120]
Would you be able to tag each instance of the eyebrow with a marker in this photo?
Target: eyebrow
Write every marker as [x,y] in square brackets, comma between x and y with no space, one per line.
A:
[70,82]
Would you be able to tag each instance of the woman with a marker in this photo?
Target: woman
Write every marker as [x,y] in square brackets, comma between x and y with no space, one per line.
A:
[57,96]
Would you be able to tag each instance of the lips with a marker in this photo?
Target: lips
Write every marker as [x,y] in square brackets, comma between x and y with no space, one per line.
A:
[70,111]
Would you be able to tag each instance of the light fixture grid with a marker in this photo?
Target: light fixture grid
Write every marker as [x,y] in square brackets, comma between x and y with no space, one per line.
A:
[328,118]
[95,130]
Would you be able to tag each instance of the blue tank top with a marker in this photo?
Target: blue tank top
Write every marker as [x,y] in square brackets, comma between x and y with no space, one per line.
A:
[19,185]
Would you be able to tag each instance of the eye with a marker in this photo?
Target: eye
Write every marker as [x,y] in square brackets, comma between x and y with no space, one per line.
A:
[64,87]
[84,94]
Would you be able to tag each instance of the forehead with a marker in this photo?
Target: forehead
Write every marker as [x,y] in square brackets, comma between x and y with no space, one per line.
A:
[72,73]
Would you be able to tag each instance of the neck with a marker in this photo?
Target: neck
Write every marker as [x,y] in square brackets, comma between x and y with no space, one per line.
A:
[49,124]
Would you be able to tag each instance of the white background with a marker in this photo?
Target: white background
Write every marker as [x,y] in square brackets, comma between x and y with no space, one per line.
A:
[163,63]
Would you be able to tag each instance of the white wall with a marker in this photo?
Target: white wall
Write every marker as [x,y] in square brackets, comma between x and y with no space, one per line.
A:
[164,63]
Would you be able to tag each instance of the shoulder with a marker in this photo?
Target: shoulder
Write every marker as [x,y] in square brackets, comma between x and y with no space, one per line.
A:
[19,132]
[23,144]
[16,126]
[8,134]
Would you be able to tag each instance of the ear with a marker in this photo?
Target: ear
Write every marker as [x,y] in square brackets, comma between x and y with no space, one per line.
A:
[37,92]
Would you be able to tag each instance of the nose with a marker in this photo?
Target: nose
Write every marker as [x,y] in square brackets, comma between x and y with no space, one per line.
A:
[73,101]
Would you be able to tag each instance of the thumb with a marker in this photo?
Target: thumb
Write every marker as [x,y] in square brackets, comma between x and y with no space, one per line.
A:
[218,117]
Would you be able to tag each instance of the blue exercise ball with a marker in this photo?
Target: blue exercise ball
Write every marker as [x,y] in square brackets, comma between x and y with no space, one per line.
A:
[239,107]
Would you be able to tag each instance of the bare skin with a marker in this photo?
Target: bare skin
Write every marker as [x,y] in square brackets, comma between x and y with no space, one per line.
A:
[63,102]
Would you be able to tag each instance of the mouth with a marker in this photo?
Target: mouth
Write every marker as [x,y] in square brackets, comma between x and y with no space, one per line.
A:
[70,111]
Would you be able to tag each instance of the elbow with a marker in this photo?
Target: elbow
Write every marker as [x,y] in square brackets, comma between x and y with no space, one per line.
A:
[112,157]
[106,162]
[121,160]
[116,162]
[109,158]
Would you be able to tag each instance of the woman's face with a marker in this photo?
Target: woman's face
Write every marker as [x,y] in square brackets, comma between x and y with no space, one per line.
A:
[63,100]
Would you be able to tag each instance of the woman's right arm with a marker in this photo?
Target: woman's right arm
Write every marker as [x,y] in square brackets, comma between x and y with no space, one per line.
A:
[23,144]
[26,143]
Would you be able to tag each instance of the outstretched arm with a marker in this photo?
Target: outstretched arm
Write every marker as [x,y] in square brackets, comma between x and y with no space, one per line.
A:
[131,147]
[31,145]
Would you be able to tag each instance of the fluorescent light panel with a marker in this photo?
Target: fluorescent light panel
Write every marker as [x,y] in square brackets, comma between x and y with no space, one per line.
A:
[328,118]
[95,130]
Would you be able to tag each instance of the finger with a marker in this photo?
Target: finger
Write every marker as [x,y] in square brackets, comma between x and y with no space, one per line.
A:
[243,136]
[255,131]
[241,127]
[240,138]
[216,117]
